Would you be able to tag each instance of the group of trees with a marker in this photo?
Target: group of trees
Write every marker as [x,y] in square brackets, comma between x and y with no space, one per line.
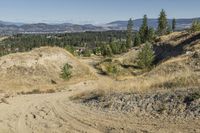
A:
[147,35]
[71,41]
[113,48]
[163,26]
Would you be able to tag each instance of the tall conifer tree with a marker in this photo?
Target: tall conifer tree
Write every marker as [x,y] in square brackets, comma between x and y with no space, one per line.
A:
[174,24]
[129,39]
[144,29]
[162,23]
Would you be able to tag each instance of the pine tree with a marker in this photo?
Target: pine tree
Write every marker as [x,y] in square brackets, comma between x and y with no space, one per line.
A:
[106,50]
[129,34]
[123,48]
[162,23]
[114,47]
[195,26]
[151,35]
[144,29]
[146,56]
[169,29]
[174,24]
[137,40]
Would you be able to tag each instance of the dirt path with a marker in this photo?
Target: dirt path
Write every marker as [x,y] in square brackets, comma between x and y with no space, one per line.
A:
[55,113]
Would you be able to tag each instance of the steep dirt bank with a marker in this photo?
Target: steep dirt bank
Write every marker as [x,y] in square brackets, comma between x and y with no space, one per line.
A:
[39,69]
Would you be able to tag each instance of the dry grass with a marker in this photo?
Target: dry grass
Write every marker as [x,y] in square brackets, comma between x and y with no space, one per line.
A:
[172,74]
[175,72]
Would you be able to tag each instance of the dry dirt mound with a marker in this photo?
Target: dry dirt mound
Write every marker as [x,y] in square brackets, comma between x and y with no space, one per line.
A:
[38,69]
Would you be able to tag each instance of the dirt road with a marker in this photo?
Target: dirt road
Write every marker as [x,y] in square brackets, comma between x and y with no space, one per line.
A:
[56,113]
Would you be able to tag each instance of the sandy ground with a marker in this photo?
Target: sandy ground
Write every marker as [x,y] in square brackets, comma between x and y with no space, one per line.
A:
[56,113]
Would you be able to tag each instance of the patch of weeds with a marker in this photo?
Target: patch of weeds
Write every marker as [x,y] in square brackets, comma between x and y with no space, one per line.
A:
[50,91]
[35,91]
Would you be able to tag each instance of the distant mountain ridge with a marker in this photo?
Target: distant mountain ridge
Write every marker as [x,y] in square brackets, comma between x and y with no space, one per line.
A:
[9,28]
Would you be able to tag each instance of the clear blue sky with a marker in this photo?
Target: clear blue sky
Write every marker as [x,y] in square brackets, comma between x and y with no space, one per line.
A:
[93,11]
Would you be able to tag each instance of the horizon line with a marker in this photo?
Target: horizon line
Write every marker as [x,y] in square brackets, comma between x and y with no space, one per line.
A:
[82,23]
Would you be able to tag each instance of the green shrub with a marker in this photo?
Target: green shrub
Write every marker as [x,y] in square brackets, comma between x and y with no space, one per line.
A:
[195,26]
[87,53]
[66,72]
[106,50]
[112,69]
[70,49]
[146,56]
[97,51]
[116,47]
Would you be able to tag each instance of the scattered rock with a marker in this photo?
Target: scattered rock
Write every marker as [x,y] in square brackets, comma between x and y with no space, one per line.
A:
[3,100]
[179,103]
[53,82]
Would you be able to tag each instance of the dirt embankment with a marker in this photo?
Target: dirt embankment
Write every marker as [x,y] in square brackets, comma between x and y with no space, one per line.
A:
[39,69]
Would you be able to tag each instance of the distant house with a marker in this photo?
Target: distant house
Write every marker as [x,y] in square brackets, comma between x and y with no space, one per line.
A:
[80,49]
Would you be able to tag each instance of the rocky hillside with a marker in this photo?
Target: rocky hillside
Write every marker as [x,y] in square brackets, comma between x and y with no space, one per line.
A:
[171,88]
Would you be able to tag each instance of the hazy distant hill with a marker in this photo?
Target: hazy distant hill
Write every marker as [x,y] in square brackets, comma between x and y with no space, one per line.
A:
[11,23]
[7,28]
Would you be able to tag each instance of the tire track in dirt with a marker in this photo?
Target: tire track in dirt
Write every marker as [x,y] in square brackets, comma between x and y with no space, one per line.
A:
[56,113]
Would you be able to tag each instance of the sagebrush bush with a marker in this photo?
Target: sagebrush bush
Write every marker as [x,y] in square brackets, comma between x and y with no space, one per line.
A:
[66,72]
